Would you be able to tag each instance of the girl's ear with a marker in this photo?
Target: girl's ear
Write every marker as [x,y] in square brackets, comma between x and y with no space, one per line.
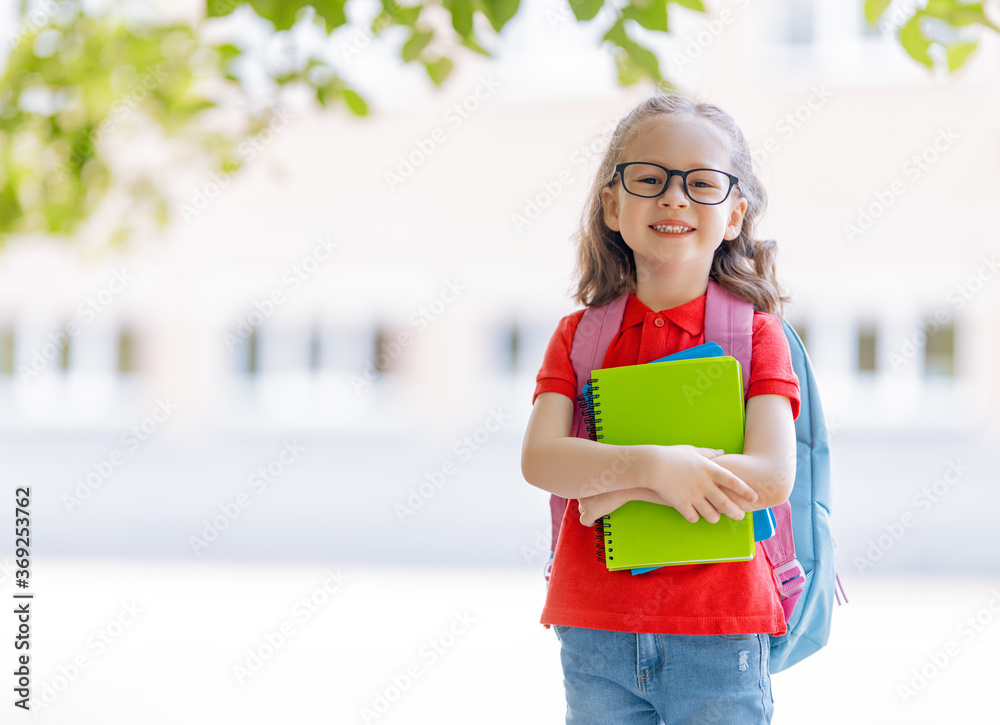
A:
[610,203]
[735,224]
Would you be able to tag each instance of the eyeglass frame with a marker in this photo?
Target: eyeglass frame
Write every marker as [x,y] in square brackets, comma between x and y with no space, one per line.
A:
[619,171]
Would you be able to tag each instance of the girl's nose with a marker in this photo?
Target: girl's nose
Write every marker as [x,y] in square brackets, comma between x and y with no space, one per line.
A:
[674,194]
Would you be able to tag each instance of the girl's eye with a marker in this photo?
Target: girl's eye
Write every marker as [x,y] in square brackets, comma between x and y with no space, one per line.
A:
[650,180]
[702,184]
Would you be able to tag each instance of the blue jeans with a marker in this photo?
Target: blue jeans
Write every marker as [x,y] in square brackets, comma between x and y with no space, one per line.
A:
[621,678]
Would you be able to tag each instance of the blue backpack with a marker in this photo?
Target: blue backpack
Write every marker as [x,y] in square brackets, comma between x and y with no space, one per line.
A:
[801,550]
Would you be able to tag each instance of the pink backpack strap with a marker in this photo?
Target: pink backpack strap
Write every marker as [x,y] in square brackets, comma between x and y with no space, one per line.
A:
[729,322]
[780,549]
[597,329]
[594,335]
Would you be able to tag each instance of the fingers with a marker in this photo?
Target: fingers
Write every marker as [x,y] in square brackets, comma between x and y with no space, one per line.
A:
[707,510]
[712,508]
[689,512]
[710,452]
[725,505]
[736,485]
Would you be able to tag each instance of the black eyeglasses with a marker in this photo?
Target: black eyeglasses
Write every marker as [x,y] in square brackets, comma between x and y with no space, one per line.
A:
[702,186]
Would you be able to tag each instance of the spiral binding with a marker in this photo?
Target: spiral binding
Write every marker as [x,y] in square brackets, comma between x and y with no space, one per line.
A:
[590,405]
[601,532]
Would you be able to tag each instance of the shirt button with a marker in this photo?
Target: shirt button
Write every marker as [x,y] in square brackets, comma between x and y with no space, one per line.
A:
[658,322]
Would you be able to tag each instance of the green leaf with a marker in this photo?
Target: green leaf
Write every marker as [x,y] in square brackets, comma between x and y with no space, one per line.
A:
[874,10]
[914,42]
[118,237]
[628,73]
[645,61]
[328,91]
[191,107]
[634,61]
[355,102]
[402,16]
[959,15]
[438,70]
[283,79]
[418,40]
[586,9]
[616,33]
[161,212]
[280,12]
[498,12]
[332,12]
[220,8]
[228,52]
[691,4]
[958,53]
[472,43]
[461,15]
[653,17]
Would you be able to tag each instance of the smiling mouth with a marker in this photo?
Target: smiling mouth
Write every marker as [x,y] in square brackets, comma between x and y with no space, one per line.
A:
[671,229]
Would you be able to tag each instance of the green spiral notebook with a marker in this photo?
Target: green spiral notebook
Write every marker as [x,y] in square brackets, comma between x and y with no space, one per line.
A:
[698,402]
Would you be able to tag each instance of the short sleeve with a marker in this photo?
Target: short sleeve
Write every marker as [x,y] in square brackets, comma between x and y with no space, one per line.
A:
[771,369]
[556,374]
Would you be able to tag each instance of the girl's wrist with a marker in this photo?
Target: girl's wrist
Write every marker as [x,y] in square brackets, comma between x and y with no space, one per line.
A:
[642,475]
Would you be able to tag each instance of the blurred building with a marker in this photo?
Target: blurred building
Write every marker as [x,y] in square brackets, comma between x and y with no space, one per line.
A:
[408,269]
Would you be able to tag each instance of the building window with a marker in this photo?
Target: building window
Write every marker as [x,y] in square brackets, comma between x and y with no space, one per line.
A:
[939,350]
[799,30]
[7,351]
[315,349]
[251,359]
[126,352]
[513,345]
[867,346]
[64,350]
[386,350]
[507,347]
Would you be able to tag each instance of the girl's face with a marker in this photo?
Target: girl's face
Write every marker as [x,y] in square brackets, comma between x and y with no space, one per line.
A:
[677,143]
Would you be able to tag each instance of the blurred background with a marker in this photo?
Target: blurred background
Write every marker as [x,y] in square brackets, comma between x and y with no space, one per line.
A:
[273,300]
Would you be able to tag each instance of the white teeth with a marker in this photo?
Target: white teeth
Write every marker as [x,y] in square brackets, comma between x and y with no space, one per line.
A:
[671,230]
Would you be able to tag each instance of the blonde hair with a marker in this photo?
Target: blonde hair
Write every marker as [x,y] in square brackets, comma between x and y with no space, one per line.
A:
[744,266]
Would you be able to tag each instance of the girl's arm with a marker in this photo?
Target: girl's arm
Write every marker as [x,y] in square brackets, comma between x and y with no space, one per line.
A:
[684,477]
[767,463]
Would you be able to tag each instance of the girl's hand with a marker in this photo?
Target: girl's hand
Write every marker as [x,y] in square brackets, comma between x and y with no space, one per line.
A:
[594,507]
[685,477]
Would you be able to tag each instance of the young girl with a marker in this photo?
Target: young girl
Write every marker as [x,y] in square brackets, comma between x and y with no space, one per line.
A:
[673,205]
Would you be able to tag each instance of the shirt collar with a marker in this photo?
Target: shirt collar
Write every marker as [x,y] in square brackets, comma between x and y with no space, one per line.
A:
[689,316]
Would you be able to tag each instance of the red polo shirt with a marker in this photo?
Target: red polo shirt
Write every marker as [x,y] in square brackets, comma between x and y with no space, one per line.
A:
[724,598]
